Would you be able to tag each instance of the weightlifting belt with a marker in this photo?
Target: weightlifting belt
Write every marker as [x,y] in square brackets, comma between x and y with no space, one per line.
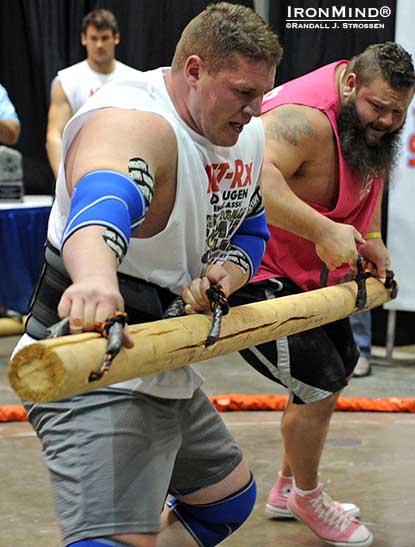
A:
[143,301]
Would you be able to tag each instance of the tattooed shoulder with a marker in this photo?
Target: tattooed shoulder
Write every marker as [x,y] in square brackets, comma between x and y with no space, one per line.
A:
[288,126]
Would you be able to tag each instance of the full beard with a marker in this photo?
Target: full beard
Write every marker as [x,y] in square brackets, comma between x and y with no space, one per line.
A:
[366,161]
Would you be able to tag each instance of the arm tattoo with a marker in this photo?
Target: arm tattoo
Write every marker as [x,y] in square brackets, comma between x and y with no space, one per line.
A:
[290,125]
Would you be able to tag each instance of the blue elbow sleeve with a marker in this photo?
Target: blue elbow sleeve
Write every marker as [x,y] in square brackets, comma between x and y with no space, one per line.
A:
[106,198]
[251,239]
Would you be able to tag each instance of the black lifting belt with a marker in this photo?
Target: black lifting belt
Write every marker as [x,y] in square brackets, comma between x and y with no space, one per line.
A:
[144,301]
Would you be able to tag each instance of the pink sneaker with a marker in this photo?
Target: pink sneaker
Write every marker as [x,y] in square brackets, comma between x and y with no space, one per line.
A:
[328,520]
[276,506]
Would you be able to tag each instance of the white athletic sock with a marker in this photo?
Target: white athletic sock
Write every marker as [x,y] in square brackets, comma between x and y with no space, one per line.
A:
[306,492]
[281,476]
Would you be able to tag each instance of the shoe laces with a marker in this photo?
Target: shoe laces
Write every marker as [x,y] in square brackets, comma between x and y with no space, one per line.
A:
[331,513]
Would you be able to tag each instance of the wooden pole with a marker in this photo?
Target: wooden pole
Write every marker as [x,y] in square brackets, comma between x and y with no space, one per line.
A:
[11,327]
[59,368]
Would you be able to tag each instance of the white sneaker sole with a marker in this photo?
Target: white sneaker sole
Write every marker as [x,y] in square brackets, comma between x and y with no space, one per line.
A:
[364,543]
[275,512]
[278,512]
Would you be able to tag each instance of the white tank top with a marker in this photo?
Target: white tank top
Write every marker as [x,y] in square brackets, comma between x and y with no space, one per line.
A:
[80,81]
[214,188]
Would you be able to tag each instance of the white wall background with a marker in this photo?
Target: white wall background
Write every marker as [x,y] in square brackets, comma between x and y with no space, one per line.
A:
[261,7]
[401,213]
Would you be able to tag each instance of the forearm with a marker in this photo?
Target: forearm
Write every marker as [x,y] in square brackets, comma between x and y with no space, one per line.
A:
[285,210]
[94,293]
[375,225]
[54,152]
[236,278]
[86,255]
[335,243]
[9,131]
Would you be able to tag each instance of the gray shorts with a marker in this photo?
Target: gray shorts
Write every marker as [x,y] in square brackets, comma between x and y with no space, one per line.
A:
[114,456]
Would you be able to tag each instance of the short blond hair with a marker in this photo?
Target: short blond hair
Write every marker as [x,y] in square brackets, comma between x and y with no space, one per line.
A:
[222,30]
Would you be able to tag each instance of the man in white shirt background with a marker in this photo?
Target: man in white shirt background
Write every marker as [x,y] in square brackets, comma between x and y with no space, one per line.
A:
[75,84]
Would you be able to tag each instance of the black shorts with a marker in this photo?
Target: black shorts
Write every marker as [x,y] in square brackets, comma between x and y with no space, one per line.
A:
[312,364]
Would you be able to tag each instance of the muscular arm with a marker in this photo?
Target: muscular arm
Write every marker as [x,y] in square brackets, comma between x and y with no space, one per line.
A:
[240,261]
[229,276]
[374,248]
[107,142]
[9,131]
[292,136]
[60,112]
[376,222]
[295,136]
[113,136]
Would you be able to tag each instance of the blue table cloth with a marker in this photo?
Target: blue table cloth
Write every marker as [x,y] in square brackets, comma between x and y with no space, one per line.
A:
[23,229]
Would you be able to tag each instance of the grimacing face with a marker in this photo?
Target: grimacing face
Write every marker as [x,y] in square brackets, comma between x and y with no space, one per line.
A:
[100,45]
[381,109]
[369,125]
[222,102]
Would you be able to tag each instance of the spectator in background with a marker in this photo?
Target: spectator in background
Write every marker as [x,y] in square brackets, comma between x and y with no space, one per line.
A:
[75,84]
[9,122]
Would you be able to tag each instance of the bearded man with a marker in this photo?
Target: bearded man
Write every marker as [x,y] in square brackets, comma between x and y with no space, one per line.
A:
[331,141]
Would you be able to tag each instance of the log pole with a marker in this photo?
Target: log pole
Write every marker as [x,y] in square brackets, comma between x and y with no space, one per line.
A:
[59,368]
[11,327]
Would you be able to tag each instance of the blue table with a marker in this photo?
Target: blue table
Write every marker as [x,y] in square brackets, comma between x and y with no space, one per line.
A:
[23,228]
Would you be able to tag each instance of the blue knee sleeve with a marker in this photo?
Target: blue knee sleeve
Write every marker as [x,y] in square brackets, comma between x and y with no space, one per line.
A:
[210,524]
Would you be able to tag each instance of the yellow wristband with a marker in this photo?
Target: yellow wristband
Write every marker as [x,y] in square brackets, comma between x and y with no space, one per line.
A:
[373,235]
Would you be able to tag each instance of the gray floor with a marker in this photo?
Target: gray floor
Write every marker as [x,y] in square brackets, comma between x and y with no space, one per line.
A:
[368,459]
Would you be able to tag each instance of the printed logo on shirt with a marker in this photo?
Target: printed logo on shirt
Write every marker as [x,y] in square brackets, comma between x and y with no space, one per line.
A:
[92,91]
[221,226]
[411,143]
[230,187]
[240,175]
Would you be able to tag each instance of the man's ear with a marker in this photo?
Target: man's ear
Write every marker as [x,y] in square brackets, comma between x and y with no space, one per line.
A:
[350,84]
[193,69]
[116,38]
[83,38]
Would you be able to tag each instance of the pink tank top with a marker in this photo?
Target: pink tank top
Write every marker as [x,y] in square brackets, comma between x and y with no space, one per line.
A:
[288,255]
